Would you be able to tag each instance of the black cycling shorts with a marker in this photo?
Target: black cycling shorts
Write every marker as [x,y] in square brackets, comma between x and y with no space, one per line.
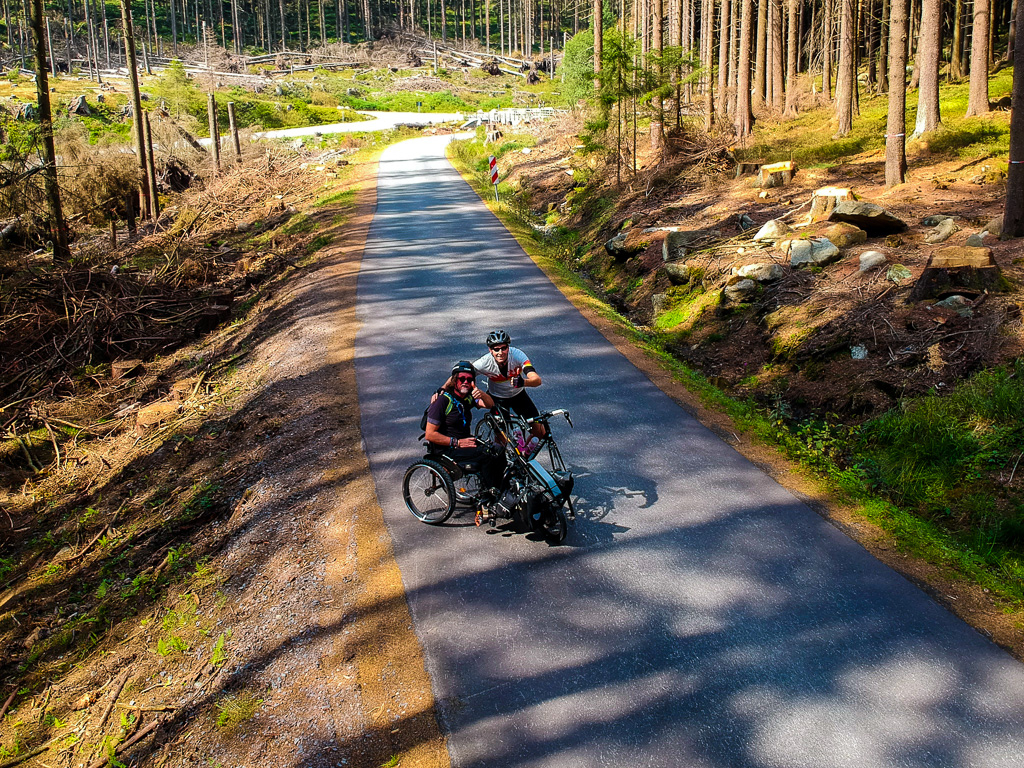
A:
[521,404]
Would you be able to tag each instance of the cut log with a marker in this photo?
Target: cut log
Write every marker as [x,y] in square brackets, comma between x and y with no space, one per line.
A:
[125,369]
[152,416]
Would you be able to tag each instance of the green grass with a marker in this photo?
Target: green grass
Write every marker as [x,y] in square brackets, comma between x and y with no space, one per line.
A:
[807,139]
[234,710]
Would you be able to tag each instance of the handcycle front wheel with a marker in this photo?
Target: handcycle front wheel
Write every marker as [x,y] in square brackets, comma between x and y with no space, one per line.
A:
[428,492]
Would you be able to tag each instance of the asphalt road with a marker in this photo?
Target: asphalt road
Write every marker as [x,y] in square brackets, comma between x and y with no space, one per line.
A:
[379,121]
[698,615]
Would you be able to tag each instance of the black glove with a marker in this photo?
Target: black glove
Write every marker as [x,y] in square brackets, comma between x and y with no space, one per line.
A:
[516,381]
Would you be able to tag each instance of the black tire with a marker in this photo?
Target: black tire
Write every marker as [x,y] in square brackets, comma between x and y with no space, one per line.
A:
[556,527]
[486,431]
[428,492]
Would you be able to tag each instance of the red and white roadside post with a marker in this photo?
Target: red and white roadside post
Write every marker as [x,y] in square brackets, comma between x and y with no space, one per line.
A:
[493,162]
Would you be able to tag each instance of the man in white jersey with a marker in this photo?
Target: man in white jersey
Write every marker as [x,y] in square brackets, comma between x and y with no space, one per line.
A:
[509,372]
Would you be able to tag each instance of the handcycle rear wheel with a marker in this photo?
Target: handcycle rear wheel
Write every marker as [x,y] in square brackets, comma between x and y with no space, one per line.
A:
[428,492]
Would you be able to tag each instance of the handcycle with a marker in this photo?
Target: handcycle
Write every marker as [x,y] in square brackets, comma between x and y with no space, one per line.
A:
[530,495]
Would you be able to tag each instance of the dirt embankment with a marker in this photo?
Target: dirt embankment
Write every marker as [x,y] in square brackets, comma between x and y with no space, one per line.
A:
[218,587]
[790,344]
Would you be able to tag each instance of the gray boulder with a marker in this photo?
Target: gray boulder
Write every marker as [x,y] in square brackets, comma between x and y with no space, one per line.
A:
[676,245]
[27,112]
[995,227]
[659,301]
[741,291]
[872,260]
[678,274]
[762,273]
[942,232]
[816,252]
[617,247]
[977,240]
[873,219]
[934,220]
[772,230]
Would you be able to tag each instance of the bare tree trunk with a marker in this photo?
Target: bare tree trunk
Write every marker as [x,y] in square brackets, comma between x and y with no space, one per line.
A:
[791,62]
[707,61]
[723,52]
[895,127]
[140,139]
[872,46]
[744,114]
[977,99]
[762,48]
[658,120]
[598,41]
[1013,209]
[58,227]
[775,22]
[154,196]
[284,26]
[928,54]
[845,75]
[211,113]
[883,49]
[956,54]
[1011,38]
[826,49]
[174,26]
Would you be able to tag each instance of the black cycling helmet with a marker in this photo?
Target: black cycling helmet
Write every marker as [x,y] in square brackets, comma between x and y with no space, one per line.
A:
[463,366]
[498,337]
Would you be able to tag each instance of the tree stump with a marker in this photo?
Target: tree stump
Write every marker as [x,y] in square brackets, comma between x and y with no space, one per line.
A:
[776,174]
[960,269]
[824,200]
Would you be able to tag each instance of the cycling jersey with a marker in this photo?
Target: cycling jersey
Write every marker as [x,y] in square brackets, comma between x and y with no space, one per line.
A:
[498,382]
[452,415]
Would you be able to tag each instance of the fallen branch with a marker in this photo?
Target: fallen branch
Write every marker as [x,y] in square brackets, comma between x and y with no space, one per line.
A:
[118,686]
[3,709]
[139,736]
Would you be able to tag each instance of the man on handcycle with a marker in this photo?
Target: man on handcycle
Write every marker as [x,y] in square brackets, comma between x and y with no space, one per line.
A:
[449,420]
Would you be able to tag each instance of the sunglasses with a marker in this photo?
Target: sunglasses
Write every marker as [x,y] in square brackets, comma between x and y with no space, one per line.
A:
[500,348]
[466,377]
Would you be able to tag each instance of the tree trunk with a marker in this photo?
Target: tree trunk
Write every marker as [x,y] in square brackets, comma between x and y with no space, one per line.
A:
[895,127]
[845,75]
[1013,209]
[826,49]
[776,68]
[791,62]
[977,99]
[762,48]
[723,53]
[154,197]
[744,114]
[598,22]
[707,62]
[174,26]
[956,55]
[58,227]
[284,26]
[657,121]
[1011,37]
[872,46]
[211,113]
[140,139]
[928,54]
